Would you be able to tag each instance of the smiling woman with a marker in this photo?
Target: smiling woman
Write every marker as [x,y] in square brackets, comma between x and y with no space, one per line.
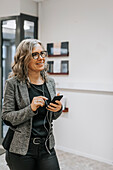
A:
[28,50]
[24,110]
[37,61]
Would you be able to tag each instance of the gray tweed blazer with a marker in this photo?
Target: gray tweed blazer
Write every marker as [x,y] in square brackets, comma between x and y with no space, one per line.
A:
[17,113]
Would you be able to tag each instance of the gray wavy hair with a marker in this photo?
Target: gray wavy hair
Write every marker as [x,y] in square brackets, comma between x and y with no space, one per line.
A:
[22,59]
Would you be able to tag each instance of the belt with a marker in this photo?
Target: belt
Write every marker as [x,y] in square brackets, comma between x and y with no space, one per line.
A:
[38,140]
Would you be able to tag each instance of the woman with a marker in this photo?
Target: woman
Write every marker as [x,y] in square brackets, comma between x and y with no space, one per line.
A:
[29,142]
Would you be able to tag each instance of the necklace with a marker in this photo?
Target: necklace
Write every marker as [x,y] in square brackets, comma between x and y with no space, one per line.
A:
[41,90]
[35,86]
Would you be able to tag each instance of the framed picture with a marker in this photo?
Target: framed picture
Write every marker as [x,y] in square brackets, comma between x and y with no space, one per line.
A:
[58,49]
[65,66]
[50,66]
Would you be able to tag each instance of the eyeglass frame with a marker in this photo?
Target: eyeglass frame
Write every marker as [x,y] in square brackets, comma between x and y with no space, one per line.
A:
[39,55]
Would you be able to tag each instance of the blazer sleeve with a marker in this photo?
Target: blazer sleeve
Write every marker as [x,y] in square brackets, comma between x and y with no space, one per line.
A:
[10,115]
[55,115]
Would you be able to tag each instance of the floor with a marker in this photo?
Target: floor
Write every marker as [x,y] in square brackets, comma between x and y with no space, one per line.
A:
[70,162]
[74,162]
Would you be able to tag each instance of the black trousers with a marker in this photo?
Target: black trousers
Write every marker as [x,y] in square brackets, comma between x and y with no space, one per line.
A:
[37,158]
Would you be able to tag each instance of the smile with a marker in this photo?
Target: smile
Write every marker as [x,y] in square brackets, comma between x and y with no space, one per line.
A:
[39,63]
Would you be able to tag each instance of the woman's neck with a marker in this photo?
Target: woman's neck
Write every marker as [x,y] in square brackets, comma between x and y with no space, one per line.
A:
[35,78]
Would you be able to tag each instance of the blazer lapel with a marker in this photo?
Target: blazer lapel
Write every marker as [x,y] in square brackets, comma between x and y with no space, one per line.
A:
[24,93]
[50,89]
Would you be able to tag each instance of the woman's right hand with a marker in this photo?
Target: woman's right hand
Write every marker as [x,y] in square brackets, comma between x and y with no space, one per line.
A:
[37,102]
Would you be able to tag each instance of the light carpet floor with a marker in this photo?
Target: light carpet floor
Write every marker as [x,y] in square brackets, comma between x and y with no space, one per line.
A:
[69,161]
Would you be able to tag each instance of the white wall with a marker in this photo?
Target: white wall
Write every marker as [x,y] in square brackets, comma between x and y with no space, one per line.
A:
[9,8]
[29,7]
[15,7]
[87,129]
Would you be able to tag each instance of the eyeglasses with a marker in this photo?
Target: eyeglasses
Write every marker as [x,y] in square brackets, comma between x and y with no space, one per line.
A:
[42,54]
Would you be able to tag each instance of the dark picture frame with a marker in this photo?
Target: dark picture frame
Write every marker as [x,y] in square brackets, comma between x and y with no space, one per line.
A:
[50,65]
[58,49]
[65,66]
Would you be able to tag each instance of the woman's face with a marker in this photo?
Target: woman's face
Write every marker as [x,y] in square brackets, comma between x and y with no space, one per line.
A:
[36,64]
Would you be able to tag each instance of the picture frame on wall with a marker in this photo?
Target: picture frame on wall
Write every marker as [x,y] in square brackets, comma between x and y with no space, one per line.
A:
[65,66]
[58,49]
[50,65]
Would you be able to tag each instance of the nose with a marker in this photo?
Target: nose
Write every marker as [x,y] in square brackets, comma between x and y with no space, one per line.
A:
[40,57]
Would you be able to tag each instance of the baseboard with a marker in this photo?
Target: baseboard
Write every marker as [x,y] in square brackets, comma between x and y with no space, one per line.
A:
[94,157]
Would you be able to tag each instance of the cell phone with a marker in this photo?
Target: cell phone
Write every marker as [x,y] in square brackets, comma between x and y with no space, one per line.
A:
[56,98]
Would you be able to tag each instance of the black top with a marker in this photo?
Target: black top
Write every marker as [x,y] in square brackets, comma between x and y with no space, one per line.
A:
[38,129]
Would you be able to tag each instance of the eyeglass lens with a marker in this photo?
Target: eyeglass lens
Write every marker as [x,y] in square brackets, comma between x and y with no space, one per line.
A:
[36,55]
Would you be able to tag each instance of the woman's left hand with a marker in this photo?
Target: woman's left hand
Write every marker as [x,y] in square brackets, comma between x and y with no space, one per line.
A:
[54,107]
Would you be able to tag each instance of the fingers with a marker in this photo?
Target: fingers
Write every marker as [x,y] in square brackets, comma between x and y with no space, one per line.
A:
[40,101]
[57,103]
[37,102]
[54,107]
[44,98]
